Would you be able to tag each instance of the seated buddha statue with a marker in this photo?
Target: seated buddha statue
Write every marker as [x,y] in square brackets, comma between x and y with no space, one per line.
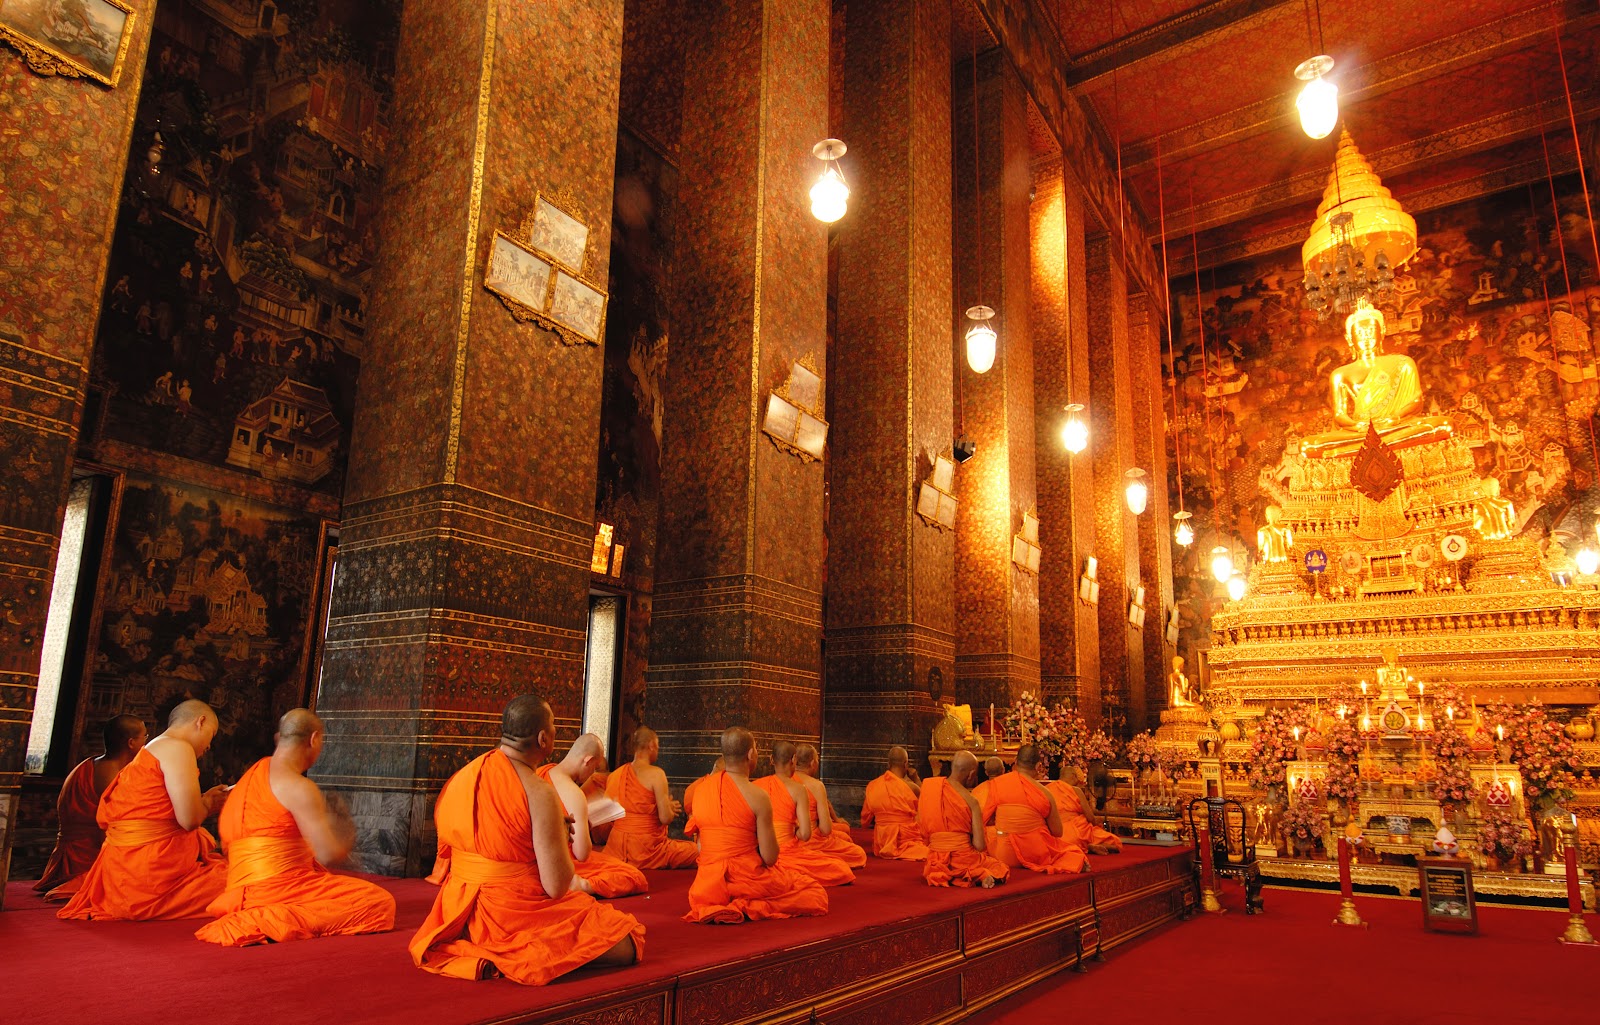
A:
[1383,390]
[1493,516]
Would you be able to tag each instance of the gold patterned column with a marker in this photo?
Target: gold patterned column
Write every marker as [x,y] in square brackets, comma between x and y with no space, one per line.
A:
[1069,639]
[63,151]
[736,626]
[469,506]
[997,601]
[1111,441]
[1155,526]
[890,638]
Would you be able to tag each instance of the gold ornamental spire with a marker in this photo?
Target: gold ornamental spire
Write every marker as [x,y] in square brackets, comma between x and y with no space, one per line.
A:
[1377,221]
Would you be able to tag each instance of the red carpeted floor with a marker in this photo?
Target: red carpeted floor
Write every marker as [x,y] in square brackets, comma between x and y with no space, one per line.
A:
[1291,965]
[139,973]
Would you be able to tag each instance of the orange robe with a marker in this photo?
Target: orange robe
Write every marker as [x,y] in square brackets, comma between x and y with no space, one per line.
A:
[276,889]
[78,835]
[732,884]
[1075,823]
[890,807]
[993,840]
[607,876]
[491,915]
[837,843]
[947,821]
[824,868]
[150,867]
[1020,809]
[690,826]
[639,838]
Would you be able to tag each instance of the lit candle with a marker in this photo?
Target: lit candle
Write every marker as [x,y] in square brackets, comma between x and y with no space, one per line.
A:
[1450,710]
[991,718]
[1500,732]
[1366,722]
[1422,689]
[1297,734]
[1363,688]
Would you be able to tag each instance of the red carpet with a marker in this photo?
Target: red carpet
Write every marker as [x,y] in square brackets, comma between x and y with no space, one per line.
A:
[1292,965]
[138,972]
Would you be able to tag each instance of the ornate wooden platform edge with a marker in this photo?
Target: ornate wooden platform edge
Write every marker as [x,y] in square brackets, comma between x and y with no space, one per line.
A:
[931,970]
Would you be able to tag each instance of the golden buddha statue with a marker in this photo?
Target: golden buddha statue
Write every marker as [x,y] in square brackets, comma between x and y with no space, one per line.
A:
[1494,517]
[1272,541]
[1377,388]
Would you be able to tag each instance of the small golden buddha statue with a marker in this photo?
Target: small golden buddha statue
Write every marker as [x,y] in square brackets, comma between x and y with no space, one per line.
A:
[1378,388]
[1493,516]
[1272,541]
[1183,695]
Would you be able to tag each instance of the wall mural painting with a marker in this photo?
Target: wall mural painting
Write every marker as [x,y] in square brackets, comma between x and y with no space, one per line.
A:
[628,487]
[235,298]
[1505,349]
[208,597]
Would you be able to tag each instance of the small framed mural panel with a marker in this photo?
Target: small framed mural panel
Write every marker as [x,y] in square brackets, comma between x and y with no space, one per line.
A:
[578,306]
[558,235]
[72,38]
[1448,902]
[518,274]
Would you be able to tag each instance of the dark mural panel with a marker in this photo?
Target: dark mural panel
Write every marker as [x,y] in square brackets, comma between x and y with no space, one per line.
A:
[1501,328]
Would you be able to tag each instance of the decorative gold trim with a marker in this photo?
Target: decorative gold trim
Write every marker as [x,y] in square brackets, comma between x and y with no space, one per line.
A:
[44,59]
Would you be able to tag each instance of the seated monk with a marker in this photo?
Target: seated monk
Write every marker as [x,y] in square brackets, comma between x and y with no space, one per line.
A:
[829,834]
[1074,805]
[640,787]
[507,906]
[78,835]
[993,769]
[890,807]
[788,796]
[279,831]
[1030,825]
[157,862]
[953,824]
[739,877]
[691,827]
[595,871]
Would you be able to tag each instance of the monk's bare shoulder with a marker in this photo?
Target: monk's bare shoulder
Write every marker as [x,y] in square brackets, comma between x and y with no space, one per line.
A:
[174,755]
[294,791]
[651,776]
[815,787]
[754,796]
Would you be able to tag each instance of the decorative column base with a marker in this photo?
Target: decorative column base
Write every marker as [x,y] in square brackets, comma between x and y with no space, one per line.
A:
[1348,915]
[1577,934]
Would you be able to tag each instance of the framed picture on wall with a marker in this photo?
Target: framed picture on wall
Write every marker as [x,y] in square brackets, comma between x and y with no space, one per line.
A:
[516,273]
[559,235]
[578,306]
[77,38]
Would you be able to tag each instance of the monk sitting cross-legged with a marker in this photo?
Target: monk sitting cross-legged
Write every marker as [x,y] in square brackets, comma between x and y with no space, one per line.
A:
[157,862]
[279,831]
[506,906]
[993,769]
[78,835]
[691,827]
[739,877]
[788,796]
[953,823]
[640,787]
[829,833]
[890,807]
[1025,815]
[1075,805]
[595,871]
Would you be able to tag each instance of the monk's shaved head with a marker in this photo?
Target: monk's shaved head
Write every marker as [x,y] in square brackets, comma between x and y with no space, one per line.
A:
[1068,773]
[119,730]
[782,752]
[963,767]
[643,737]
[898,759]
[297,726]
[188,711]
[1027,757]
[737,744]
[587,746]
[523,720]
[805,758]
[993,767]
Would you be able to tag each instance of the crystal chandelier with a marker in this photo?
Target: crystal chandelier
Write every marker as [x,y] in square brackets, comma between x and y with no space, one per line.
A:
[1360,235]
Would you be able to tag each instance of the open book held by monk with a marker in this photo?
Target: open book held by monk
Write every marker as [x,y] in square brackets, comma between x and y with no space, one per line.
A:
[953,823]
[640,837]
[596,872]
[1028,823]
[890,808]
[157,863]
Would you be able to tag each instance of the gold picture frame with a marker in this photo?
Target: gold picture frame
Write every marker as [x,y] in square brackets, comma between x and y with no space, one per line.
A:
[536,288]
[554,231]
[91,42]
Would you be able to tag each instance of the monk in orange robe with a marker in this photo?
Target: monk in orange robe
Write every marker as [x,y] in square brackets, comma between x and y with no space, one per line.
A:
[953,824]
[993,769]
[640,787]
[507,906]
[788,796]
[1028,822]
[595,871]
[1074,805]
[157,862]
[78,835]
[279,831]
[739,876]
[890,808]
[829,833]
[691,827]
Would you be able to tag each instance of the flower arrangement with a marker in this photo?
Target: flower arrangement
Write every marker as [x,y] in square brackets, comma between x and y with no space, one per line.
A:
[1500,837]
[1144,754]
[1540,749]
[1444,698]
[1273,748]
[1304,823]
[1344,756]
[1031,722]
[1452,781]
[1079,744]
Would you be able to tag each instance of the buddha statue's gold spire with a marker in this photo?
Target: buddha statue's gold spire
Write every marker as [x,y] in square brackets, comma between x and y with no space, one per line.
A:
[1377,221]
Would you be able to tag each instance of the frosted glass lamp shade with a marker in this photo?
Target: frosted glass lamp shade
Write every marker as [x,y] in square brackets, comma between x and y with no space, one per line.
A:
[1074,432]
[1221,563]
[981,340]
[1318,103]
